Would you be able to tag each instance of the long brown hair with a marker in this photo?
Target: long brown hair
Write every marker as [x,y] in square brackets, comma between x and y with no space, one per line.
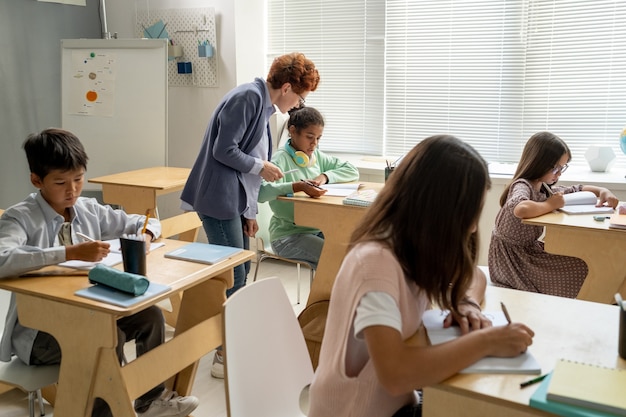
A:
[426,214]
[541,153]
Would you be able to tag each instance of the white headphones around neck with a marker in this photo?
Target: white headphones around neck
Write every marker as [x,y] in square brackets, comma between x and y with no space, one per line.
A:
[300,158]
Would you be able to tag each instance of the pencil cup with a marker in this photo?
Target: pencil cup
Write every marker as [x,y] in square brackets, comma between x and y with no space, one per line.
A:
[133,255]
[388,171]
[621,343]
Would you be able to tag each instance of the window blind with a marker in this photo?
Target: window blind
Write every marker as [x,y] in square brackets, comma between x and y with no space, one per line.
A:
[574,80]
[345,39]
[491,72]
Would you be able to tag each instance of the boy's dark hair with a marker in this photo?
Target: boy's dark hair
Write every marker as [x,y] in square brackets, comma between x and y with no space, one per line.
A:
[54,149]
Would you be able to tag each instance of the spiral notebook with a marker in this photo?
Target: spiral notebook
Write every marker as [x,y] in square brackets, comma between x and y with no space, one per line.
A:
[539,400]
[591,386]
[362,198]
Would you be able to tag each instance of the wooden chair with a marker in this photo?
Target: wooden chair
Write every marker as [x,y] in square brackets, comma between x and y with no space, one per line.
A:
[267,364]
[186,227]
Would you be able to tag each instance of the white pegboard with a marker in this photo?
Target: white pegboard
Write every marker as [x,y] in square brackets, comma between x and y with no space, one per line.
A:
[186,28]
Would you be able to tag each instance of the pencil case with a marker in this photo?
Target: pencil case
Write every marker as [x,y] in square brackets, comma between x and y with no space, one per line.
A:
[119,280]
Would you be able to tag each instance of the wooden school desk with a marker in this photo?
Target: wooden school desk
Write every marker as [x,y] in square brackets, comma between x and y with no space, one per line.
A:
[87,333]
[564,328]
[603,249]
[337,221]
[137,191]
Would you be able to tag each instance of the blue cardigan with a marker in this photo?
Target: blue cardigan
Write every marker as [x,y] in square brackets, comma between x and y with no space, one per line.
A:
[215,187]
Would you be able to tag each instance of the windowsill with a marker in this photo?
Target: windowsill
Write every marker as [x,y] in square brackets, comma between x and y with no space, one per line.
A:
[373,168]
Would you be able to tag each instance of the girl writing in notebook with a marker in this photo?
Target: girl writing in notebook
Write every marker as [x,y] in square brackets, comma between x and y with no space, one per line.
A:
[516,257]
[300,159]
[414,246]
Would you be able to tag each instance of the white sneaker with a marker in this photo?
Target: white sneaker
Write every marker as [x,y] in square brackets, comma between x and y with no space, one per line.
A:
[217,368]
[170,404]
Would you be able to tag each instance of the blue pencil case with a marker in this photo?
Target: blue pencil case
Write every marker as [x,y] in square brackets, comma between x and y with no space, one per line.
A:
[122,281]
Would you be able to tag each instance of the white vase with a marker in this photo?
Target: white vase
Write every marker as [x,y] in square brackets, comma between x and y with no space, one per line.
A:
[600,158]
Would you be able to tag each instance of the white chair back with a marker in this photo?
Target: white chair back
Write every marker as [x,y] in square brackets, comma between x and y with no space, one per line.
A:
[267,364]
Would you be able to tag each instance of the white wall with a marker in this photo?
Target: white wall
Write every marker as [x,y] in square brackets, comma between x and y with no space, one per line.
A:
[240,50]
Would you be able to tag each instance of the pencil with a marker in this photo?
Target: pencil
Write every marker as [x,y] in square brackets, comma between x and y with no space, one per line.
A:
[145,223]
[533,381]
[548,189]
[506,312]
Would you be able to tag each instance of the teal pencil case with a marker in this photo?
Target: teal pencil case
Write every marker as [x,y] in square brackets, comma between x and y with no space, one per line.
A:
[119,280]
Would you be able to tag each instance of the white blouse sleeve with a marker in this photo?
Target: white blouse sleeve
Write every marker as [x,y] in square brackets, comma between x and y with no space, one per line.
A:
[376,308]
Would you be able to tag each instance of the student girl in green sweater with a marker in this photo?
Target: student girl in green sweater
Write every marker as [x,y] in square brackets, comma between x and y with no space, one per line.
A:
[305,168]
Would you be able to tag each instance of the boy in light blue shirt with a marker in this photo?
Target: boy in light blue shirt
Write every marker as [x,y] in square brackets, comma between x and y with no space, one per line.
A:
[42,230]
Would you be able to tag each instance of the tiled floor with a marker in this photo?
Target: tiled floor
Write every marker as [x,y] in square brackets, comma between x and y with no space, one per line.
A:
[209,390]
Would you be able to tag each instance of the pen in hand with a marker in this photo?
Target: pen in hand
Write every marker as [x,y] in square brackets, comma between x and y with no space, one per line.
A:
[506,312]
[85,237]
[311,184]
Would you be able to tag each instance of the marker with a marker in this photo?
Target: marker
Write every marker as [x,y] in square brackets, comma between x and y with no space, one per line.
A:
[533,381]
[601,218]
[506,312]
[85,237]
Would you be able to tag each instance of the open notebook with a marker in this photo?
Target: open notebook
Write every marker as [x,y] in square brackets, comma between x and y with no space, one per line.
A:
[583,202]
[521,364]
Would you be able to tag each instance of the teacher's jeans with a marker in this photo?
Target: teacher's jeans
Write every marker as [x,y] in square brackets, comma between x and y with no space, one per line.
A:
[229,233]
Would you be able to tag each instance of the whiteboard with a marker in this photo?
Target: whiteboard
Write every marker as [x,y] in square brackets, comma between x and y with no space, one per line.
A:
[114,98]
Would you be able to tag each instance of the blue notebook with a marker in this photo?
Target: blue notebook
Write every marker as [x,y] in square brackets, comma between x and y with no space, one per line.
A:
[204,253]
[539,400]
[112,296]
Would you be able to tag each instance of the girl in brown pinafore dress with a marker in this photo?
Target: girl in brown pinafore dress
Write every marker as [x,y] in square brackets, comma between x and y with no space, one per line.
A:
[517,258]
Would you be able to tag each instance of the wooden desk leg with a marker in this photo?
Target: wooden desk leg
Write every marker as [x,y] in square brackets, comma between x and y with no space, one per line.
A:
[111,386]
[198,304]
[337,223]
[82,334]
[603,252]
